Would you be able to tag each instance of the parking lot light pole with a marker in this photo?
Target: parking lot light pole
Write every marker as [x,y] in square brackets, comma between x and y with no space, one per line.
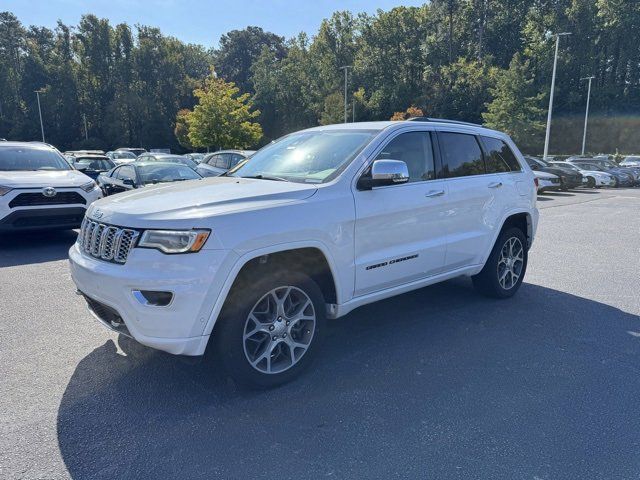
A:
[553,86]
[586,113]
[38,92]
[346,70]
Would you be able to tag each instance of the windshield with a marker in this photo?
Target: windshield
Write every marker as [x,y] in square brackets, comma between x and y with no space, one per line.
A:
[123,155]
[565,165]
[31,158]
[94,163]
[165,173]
[306,157]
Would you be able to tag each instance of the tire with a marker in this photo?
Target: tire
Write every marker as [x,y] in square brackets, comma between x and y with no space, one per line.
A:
[270,347]
[591,182]
[492,280]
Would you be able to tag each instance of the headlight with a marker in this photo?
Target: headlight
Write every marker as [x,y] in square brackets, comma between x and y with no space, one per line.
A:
[174,241]
[87,187]
[4,190]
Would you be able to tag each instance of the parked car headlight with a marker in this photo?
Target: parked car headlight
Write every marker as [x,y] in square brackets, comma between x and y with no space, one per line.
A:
[4,190]
[87,187]
[174,241]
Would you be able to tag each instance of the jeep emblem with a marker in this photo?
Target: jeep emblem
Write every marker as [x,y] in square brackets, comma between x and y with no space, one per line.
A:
[49,192]
[98,214]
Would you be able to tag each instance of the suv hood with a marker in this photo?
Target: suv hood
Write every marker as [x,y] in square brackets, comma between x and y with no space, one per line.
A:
[184,202]
[43,178]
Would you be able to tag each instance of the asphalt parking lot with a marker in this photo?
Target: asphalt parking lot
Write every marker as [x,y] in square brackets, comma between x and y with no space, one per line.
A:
[437,383]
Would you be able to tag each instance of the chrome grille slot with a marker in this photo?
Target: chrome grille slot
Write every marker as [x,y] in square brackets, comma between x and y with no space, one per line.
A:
[106,242]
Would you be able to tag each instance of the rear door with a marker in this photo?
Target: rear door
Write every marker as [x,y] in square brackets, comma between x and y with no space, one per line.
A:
[474,209]
[399,232]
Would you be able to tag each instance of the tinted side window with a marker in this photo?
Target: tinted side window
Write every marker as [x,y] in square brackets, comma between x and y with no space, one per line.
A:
[223,161]
[500,158]
[235,159]
[461,154]
[413,148]
[126,172]
[212,160]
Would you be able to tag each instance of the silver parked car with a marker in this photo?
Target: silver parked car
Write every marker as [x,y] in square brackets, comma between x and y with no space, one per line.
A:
[217,163]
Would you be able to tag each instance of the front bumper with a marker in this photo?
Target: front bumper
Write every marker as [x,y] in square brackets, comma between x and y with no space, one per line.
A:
[178,328]
[44,216]
[548,185]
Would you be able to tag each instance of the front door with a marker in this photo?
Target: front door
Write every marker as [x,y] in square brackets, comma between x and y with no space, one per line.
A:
[400,229]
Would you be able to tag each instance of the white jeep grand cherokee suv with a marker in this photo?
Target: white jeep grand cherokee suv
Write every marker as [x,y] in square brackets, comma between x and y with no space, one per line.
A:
[39,190]
[314,225]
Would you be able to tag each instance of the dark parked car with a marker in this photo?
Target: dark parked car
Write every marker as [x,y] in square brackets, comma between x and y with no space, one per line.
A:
[93,165]
[217,163]
[139,174]
[568,178]
[610,167]
[167,157]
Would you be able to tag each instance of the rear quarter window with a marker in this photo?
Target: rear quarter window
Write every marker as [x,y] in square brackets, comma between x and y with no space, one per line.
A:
[500,158]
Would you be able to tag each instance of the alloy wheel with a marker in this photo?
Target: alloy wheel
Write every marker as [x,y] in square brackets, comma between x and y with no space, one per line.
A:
[510,263]
[279,330]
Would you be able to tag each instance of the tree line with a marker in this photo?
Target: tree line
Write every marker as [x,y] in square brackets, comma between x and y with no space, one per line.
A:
[483,61]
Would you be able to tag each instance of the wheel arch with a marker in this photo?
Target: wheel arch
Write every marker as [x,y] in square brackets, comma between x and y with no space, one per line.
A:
[311,257]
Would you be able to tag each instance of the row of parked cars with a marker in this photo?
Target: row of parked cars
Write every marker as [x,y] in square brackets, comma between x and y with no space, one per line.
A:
[130,168]
[582,171]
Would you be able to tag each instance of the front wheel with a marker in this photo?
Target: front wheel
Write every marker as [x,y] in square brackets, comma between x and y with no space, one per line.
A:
[591,182]
[272,329]
[504,271]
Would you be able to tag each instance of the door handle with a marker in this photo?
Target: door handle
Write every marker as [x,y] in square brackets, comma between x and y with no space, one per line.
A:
[434,193]
[495,185]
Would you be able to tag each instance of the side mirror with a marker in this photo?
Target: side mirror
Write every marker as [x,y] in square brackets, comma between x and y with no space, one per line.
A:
[129,182]
[388,172]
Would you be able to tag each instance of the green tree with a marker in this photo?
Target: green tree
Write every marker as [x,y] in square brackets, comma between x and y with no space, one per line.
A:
[222,117]
[516,107]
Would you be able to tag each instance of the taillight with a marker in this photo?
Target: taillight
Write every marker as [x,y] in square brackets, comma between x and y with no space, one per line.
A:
[535,181]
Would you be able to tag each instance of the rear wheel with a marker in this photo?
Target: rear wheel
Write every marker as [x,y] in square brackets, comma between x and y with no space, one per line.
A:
[504,271]
[271,330]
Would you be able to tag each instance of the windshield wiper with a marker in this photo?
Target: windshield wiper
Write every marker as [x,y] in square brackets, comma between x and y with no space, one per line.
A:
[267,177]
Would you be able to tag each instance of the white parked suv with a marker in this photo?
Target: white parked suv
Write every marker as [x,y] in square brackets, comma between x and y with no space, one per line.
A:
[316,224]
[40,190]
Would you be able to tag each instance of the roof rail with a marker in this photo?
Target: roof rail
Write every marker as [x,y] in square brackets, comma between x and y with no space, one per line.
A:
[442,120]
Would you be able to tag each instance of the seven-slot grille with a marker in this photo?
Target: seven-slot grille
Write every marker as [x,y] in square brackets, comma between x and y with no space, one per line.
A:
[106,242]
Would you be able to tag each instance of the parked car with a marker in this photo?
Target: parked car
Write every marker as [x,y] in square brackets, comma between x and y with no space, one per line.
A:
[316,224]
[140,174]
[196,157]
[120,157]
[622,179]
[610,167]
[631,161]
[93,165]
[136,151]
[166,157]
[595,178]
[569,178]
[217,163]
[547,181]
[40,190]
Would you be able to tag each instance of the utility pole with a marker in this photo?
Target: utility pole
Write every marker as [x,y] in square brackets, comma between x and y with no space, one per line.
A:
[86,132]
[586,113]
[553,86]
[346,70]
[38,92]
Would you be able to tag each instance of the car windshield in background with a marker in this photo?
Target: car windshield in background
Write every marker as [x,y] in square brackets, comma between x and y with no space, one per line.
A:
[25,158]
[123,155]
[94,163]
[150,174]
[306,157]
[177,159]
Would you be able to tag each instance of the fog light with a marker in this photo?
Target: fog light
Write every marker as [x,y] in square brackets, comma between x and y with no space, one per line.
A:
[153,298]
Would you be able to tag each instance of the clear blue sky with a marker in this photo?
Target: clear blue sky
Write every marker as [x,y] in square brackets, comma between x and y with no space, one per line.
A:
[197,21]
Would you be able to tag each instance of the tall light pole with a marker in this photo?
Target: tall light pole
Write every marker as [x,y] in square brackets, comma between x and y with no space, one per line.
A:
[38,92]
[586,113]
[553,86]
[346,70]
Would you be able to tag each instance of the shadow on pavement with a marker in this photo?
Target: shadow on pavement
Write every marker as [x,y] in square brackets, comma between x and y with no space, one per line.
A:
[35,247]
[435,383]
